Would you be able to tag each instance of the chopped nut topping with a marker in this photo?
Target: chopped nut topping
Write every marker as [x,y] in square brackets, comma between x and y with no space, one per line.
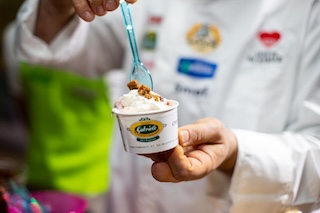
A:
[143,90]
[149,96]
[133,85]
[156,97]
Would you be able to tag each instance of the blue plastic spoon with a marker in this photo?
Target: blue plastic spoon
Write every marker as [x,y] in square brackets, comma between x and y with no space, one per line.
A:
[139,72]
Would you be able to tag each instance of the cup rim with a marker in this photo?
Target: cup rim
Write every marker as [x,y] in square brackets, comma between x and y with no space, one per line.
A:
[174,104]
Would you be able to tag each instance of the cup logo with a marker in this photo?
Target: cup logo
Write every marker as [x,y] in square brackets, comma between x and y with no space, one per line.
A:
[146,128]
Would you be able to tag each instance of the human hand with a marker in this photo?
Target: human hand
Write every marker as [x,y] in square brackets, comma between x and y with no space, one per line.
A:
[88,9]
[204,146]
[59,12]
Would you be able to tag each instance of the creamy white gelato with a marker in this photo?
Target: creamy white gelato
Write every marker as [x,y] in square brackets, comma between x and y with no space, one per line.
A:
[133,102]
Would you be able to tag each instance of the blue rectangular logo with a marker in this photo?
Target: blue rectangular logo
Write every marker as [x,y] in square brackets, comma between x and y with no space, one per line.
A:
[197,68]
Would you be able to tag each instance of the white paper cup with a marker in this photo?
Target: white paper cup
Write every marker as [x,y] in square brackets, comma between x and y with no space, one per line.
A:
[149,132]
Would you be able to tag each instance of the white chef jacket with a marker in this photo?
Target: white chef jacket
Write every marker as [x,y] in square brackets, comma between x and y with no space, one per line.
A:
[253,64]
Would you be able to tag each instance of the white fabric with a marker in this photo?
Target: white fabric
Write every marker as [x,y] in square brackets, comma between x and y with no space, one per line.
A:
[269,96]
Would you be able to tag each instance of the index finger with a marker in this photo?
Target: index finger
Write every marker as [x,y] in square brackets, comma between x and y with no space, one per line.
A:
[83,9]
[87,11]
[204,131]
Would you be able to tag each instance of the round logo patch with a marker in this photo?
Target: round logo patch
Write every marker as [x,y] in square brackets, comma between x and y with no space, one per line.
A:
[203,38]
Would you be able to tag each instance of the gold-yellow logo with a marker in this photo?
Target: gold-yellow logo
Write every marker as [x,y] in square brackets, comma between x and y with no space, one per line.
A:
[146,128]
[203,38]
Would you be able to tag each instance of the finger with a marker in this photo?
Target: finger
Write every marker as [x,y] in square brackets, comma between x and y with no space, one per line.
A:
[162,171]
[83,9]
[97,6]
[111,5]
[160,156]
[181,167]
[204,131]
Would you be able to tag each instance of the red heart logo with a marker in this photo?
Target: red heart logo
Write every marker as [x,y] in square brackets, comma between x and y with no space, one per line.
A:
[269,39]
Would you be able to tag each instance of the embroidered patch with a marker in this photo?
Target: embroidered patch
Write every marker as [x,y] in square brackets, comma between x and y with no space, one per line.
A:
[203,38]
[150,37]
[267,54]
[269,39]
[197,68]
[149,40]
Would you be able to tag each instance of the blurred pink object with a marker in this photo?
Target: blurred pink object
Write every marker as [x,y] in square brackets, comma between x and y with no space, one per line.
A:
[60,202]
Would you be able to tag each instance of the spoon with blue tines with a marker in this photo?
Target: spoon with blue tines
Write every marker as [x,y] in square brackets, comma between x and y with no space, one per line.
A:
[139,72]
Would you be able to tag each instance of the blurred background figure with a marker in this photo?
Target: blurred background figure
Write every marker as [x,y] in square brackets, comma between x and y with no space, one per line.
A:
[12,133]
[13,139]
[58,123]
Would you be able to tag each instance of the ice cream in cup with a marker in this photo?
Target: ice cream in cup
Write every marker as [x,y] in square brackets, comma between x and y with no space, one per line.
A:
[148,122]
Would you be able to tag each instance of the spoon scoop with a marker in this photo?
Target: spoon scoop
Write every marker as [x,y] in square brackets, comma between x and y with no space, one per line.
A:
[139,72]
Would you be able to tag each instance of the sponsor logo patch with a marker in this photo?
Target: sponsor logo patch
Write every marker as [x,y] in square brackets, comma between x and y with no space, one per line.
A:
[267,55]
[150,37]
[203,38]
[197,68]
[269,39]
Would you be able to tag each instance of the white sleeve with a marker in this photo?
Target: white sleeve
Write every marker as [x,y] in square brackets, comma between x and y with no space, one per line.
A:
[285,167]
[90,49]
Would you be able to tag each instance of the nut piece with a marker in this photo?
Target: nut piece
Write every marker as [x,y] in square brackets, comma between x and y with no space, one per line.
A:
[148,96]
[133,85]
[156,98]
[143,90]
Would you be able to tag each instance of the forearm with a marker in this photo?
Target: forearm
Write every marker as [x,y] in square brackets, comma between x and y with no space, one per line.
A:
[52,17]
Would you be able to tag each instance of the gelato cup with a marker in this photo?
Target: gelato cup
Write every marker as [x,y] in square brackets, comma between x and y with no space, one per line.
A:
[149,132]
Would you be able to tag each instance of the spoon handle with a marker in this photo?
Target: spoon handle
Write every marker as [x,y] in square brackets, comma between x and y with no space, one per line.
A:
[128,22]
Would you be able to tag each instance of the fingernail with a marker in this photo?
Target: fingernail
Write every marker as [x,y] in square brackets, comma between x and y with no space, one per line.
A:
[111,5]
[100,11]
[184,140]
[87,16]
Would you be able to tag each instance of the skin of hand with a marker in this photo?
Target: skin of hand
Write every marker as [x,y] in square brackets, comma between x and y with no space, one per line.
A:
[88,9]
[204,146]
[53,15]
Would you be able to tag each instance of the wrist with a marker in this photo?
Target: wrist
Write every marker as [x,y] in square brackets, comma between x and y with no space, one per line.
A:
[229,163]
